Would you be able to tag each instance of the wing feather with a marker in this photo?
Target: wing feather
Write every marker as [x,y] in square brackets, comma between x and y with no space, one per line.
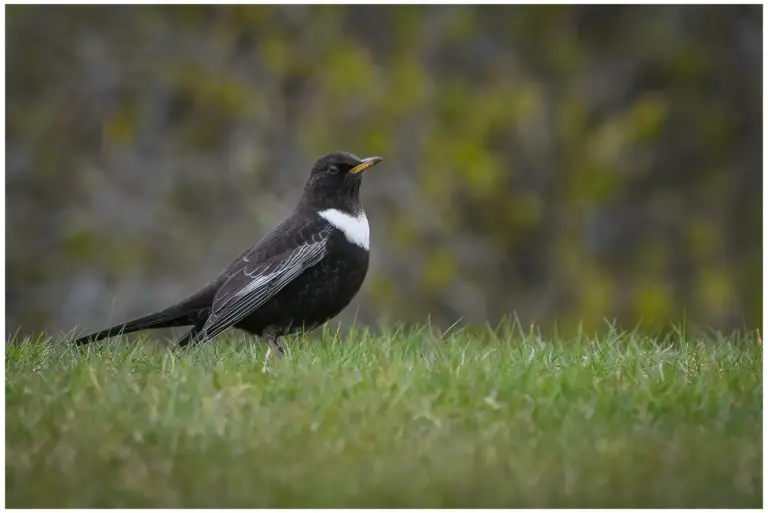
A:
[248,289]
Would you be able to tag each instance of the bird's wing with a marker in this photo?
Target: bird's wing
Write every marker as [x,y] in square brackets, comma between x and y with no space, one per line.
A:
[255,283]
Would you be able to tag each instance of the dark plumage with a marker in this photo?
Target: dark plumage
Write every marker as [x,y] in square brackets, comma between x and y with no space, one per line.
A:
[297,277]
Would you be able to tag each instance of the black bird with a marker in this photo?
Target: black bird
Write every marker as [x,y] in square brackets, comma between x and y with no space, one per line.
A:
[298,277]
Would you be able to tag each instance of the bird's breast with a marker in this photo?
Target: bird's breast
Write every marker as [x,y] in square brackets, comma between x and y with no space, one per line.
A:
[354,227]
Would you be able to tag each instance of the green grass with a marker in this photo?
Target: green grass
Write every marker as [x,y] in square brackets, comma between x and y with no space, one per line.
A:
[502,418]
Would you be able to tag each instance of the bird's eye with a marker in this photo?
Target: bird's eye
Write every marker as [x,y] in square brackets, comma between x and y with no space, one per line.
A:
[333,169]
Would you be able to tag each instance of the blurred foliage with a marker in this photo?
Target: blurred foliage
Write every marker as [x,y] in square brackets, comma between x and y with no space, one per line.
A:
[565,163]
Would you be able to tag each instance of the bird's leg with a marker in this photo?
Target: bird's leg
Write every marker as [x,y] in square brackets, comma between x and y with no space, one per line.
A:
[271,338]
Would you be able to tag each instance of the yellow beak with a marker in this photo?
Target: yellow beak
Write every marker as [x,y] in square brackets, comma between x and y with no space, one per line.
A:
[365,164]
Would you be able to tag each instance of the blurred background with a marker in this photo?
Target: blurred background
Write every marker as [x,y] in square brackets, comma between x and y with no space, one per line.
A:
[567,164]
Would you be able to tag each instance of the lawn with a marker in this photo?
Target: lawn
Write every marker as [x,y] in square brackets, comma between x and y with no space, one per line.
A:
[396,419]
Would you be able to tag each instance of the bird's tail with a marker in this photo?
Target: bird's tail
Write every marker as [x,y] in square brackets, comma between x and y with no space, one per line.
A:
[152,321]
[191,310]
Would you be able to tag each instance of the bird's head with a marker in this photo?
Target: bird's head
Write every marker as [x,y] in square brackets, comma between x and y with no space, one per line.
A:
[335,181]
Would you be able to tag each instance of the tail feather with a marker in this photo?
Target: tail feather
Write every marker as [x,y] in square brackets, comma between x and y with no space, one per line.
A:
[152,321]
[191,310]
